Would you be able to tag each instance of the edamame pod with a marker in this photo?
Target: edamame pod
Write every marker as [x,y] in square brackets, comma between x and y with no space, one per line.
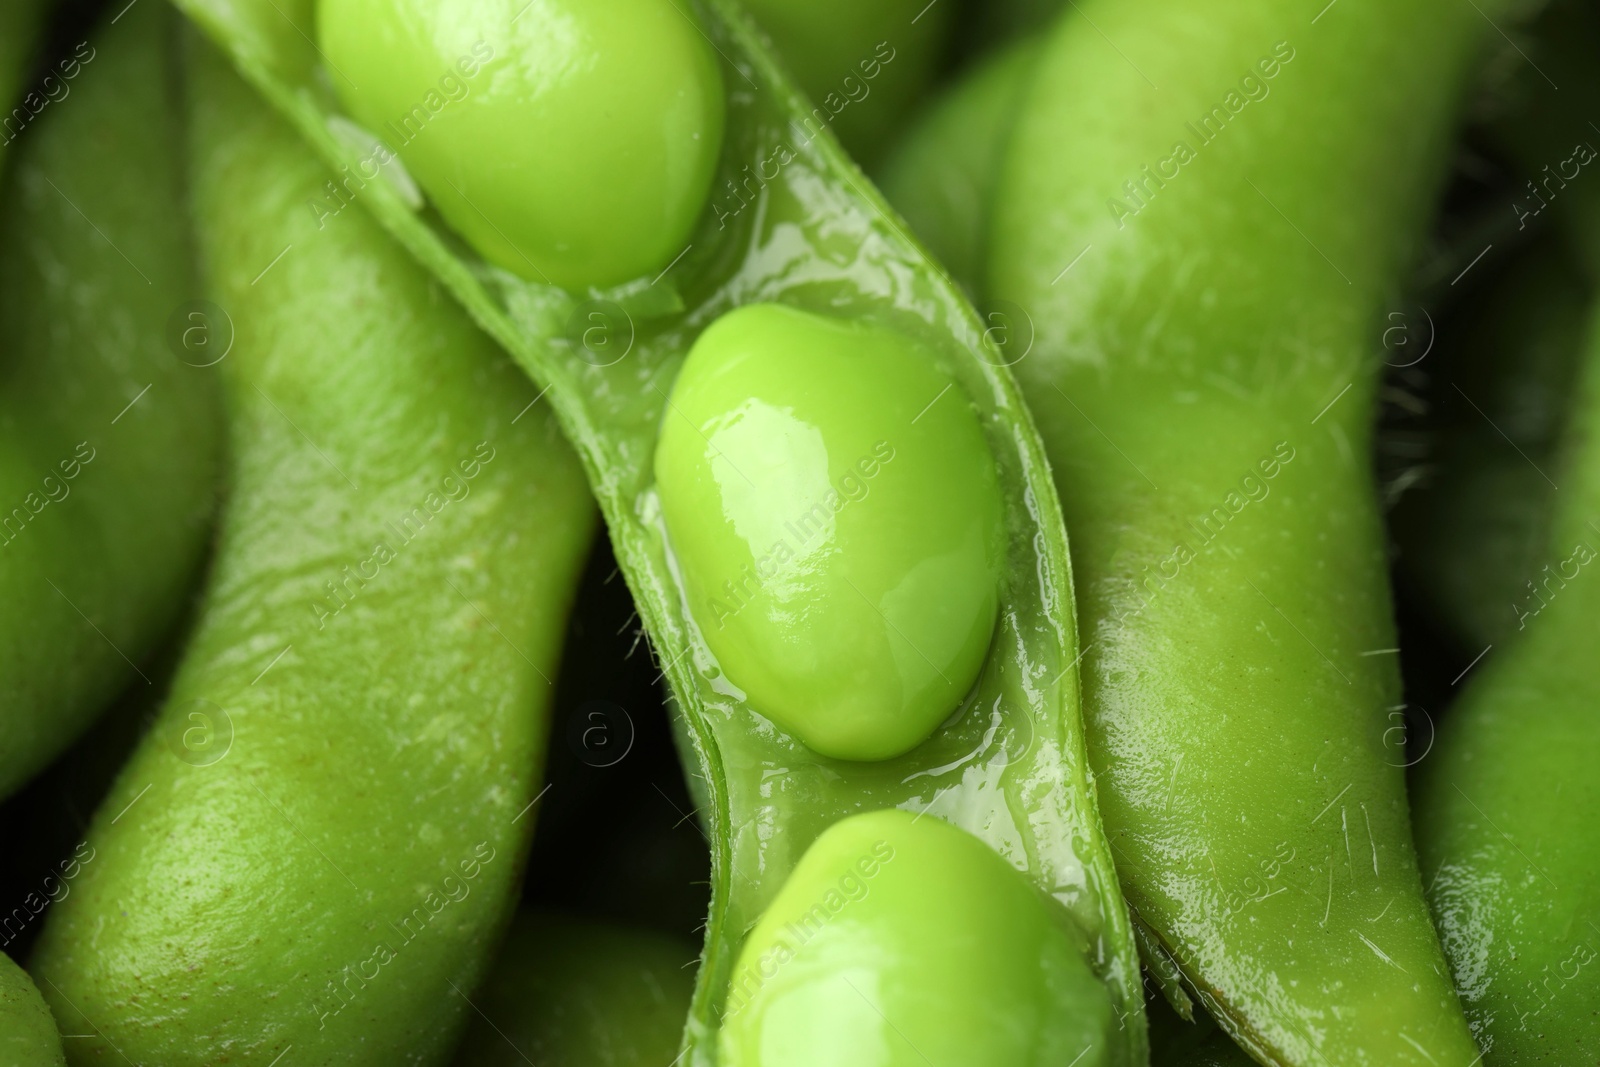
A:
[19,32]
[109,434]
[28,1036]
[569,992]
[317,843]
[790,223]
[1505,800]
[1505,803]
[862,65]
[1205,264]
[942,174]
[1473,538]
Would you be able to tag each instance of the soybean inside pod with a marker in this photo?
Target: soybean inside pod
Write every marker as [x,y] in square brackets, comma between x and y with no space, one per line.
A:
[782,219]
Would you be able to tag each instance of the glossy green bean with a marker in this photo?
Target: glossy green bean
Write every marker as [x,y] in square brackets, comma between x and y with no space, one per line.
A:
[318,842]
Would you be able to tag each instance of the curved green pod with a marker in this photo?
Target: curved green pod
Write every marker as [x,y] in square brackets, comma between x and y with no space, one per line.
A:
[317,844]
[109,434]
[28,1036]
[898,938]
[20,23]
[862,65]
[1505,801]
[790,222]
[1473,538]
[1206,265]
[941,175]
[1544,102]
[572,992]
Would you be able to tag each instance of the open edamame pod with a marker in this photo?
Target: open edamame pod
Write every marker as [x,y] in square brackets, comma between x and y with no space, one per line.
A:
[317,844]
[1205,264]
[109,431]
[571,992]
[789,223]
[28,1036]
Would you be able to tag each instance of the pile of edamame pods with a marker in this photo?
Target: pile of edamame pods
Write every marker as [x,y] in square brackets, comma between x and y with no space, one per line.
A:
[748,533]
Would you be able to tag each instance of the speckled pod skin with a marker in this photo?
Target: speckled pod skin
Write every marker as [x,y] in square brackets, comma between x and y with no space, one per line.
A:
[28,1035]
[316,846]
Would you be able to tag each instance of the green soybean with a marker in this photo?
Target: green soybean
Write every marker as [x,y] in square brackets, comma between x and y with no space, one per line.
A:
[109,432]
[318,842]
[1206,264]
[862,65]
[790,222]
[573,171]
[899,938]
[572,992]
[942,174]
[28,1035]
[839,531]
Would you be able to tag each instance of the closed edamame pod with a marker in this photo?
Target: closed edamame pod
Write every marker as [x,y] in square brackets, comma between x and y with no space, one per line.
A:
[1205,264]
[1505,801]
[317,844]
[109,432]
[1474,536]
[942,174]
[28,1036]
[756,410]
[572,992]
[862,65]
